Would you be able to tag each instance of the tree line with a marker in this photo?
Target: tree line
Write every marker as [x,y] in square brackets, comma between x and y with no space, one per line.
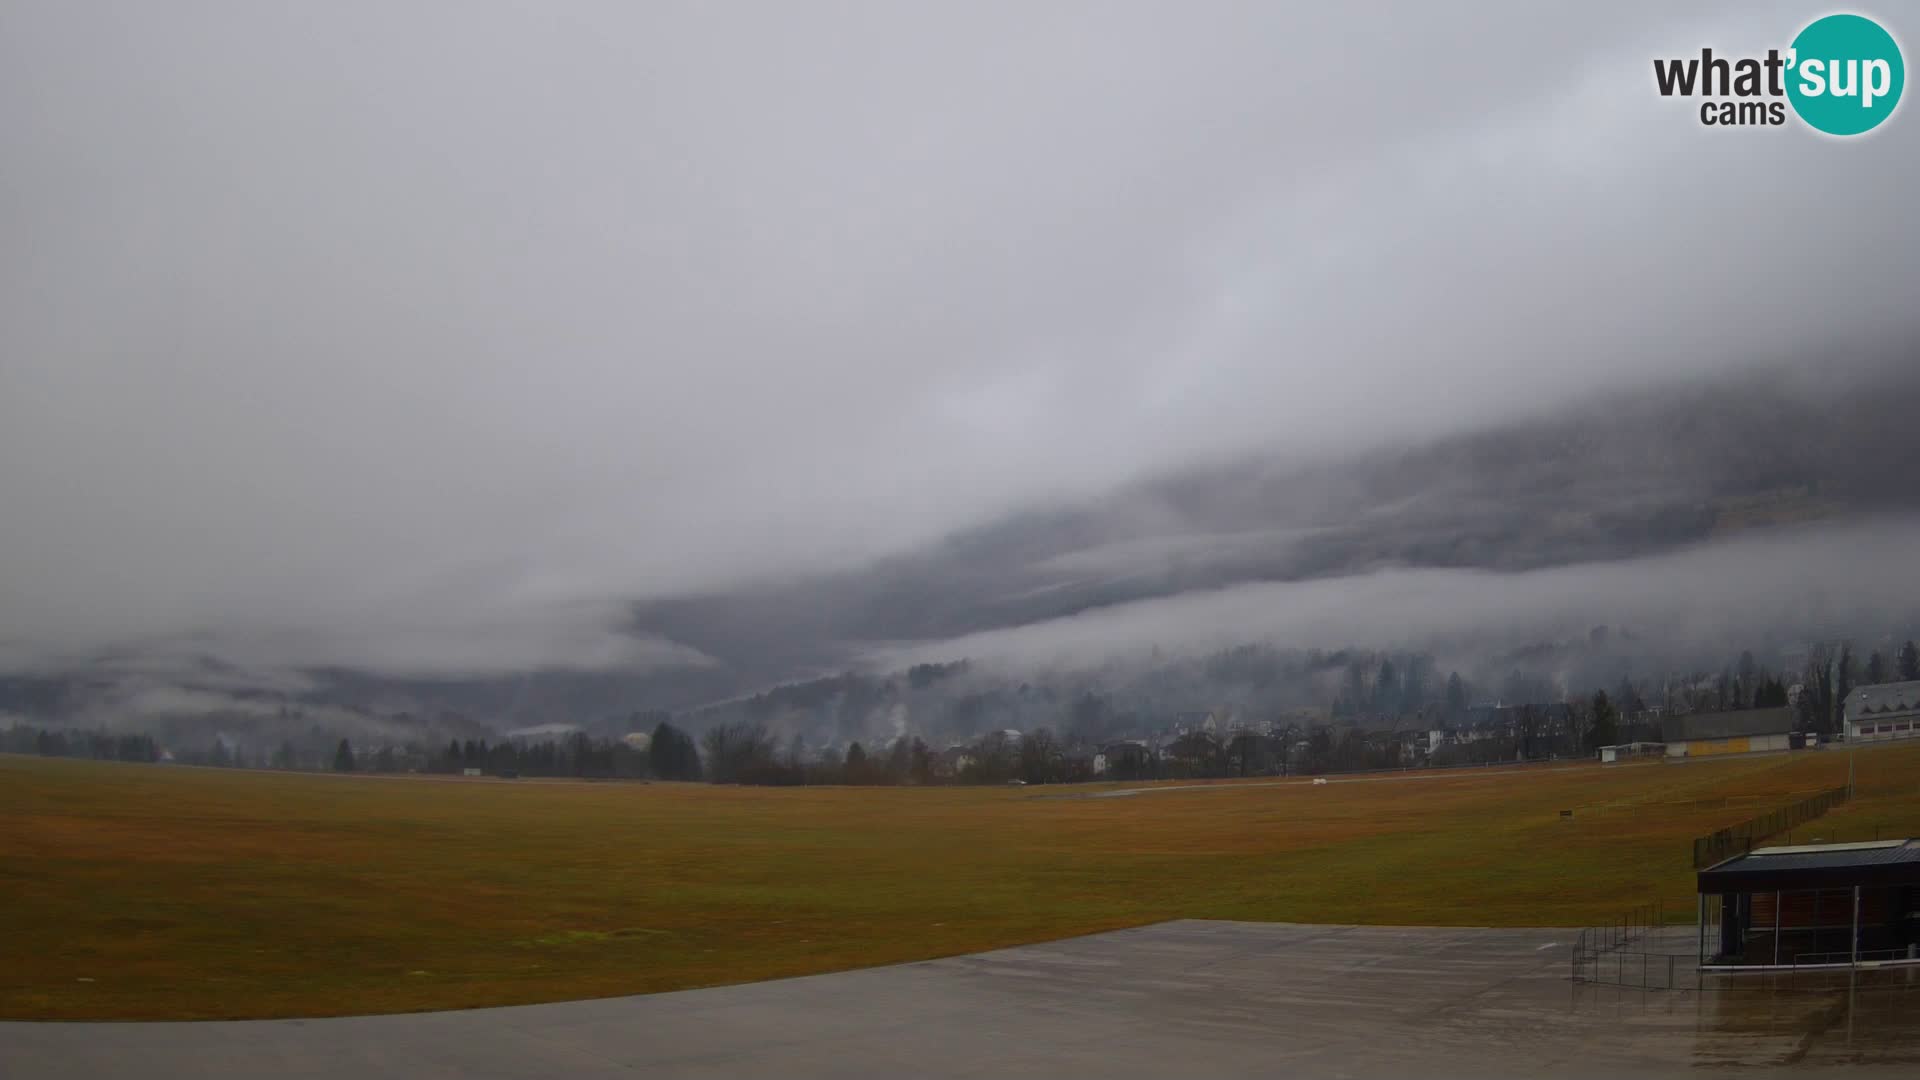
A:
[93,745]
[1371,686]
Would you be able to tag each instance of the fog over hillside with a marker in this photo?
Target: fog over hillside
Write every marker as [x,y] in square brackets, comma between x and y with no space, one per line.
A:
[1684,465]
[1695,520]
[654,356]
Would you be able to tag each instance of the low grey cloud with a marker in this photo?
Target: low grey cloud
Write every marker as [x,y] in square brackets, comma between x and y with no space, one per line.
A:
[1771,589]
[448,641]
[424,338]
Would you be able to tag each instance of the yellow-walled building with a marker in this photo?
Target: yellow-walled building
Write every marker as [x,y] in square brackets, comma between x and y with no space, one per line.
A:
[1741,731]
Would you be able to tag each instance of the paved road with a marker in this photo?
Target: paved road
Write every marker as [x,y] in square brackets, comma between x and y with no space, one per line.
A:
[1178,999]
[1465,772]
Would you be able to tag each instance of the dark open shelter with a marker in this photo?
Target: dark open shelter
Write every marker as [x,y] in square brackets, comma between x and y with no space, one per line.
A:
[1816,905]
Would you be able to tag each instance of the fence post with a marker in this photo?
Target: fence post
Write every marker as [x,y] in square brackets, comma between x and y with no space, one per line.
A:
[1700,957]
[1854,959]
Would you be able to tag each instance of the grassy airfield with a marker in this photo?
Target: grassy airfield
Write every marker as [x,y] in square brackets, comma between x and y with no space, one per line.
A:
[145,892]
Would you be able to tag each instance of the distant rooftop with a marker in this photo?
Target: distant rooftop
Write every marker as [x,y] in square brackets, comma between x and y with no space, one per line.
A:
[1727,725]
[1880,698]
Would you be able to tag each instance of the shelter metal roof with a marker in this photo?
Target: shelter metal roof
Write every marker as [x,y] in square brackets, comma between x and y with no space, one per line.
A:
[1808,866]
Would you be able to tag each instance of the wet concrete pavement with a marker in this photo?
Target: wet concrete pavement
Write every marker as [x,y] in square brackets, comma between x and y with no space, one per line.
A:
[1183,998]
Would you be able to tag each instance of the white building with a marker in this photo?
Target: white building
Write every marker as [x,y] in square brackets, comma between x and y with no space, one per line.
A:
[1628,751]
[1884,711]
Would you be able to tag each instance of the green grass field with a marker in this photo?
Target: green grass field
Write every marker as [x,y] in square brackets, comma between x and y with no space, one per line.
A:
[162,892]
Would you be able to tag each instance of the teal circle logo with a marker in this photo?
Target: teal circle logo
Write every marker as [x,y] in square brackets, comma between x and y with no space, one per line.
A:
[1845,74]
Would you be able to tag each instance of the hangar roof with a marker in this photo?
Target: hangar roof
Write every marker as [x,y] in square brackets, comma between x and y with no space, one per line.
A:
[1727,725]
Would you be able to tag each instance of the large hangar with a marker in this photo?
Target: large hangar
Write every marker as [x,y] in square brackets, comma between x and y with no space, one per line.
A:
[1740,731]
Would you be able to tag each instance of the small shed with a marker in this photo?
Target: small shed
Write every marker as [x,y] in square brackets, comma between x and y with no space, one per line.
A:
[1812,905]
[1629,751]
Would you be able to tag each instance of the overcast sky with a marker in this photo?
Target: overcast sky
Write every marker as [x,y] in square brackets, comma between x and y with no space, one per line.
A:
[424,336]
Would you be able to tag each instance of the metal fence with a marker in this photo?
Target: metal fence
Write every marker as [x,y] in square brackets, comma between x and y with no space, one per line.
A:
[1631,927]
[1641,968]
[1611,941]
[1744,837]
[1639,949]
[1863,956]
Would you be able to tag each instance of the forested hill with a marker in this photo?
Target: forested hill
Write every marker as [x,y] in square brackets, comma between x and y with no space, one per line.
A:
[1626,476]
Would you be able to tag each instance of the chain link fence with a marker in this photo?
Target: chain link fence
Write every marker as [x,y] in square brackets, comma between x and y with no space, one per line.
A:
[1638,949]
[1744,837]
